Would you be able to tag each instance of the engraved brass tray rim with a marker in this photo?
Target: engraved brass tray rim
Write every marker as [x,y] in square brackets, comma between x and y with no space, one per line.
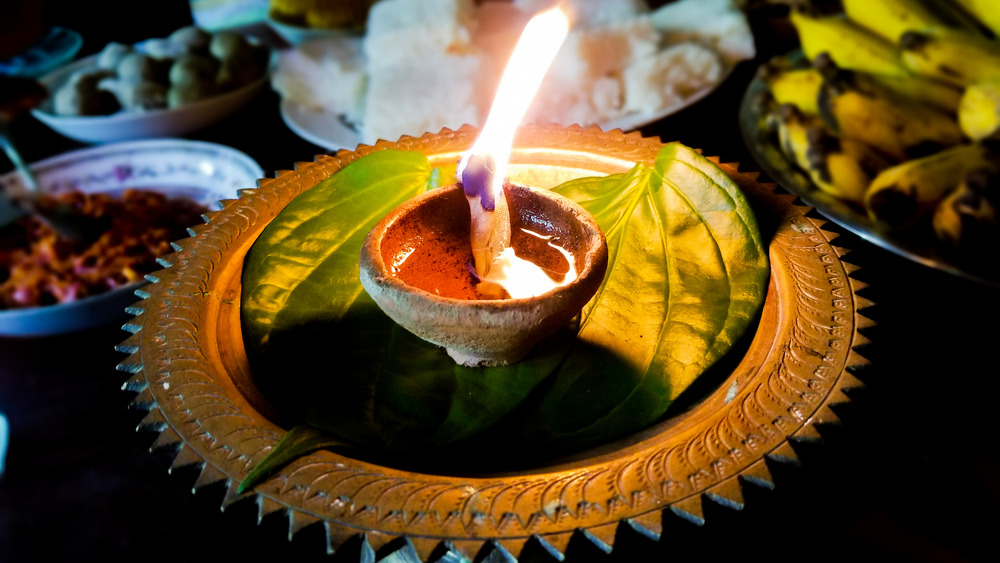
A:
[185,357]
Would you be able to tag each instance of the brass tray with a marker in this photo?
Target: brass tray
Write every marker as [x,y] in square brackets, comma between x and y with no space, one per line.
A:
[190,372]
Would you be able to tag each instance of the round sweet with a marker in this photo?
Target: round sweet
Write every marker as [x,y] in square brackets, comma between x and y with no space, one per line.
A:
[137,67]
[193,68]
[193,37]
[229,44]
[112,54]
[164,49]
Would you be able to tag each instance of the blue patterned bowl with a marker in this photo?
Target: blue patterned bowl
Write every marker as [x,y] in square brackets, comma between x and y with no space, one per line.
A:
[200,171]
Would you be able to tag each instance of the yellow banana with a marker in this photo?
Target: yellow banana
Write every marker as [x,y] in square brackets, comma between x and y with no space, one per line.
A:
[986,11]
[842,168]
[953,57]
[903,195]
[796,86]
[852,166]
[968,219]
[979,110]
[847,43]
[943,96]
[793,133]
[856,107]
[892,18]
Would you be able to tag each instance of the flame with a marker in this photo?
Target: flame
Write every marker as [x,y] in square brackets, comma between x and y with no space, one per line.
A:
[521,278]
[483,168]
[540,41]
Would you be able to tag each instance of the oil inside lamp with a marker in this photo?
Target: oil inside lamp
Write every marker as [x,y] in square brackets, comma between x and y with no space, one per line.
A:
[413,263]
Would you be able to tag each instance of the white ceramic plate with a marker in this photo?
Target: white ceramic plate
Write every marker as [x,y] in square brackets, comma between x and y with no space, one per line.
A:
[326,128]
[321,128]
[204,172]
[139,125]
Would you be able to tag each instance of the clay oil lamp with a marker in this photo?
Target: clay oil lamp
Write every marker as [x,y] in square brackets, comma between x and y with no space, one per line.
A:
[486,268]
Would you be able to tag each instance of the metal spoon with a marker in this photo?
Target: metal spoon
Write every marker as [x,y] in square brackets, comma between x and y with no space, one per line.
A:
[18,95]
[9,209]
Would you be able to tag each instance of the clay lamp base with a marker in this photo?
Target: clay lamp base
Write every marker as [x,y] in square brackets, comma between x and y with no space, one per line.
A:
[414,265]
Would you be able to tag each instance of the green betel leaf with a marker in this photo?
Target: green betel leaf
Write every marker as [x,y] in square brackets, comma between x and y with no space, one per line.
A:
[716,261]
[299,441]
[304,265]
[687,274]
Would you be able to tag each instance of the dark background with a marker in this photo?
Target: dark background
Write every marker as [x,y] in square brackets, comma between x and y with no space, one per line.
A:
[911,474]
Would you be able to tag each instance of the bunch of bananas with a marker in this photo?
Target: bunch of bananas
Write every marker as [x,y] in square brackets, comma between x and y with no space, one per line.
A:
[896,110]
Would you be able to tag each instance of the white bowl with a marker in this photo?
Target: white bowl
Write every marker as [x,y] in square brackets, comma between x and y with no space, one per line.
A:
[139,125]
[201,171]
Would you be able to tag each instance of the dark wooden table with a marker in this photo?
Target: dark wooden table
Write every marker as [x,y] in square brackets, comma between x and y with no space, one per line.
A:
[911,474]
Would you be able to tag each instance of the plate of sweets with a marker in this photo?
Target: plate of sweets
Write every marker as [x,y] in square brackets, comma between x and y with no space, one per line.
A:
[422,65]
[161,87]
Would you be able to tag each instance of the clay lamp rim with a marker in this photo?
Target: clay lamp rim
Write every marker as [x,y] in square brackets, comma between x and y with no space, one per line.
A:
[590,254]
[486,331]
